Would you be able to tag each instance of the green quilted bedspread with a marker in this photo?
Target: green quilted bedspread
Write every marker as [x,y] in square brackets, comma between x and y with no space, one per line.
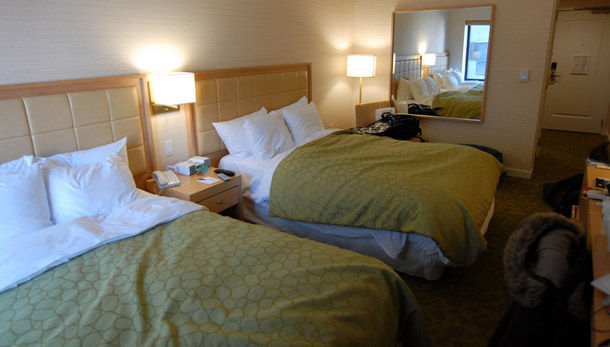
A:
[205,279]
[438,190]
[460,104]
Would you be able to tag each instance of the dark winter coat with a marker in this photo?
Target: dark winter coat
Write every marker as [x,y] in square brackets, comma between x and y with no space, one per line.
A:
[547,269]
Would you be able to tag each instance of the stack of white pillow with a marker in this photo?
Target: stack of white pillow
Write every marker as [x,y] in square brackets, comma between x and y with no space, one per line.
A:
[423,90]
[263,135]
[450,79]
[36,193]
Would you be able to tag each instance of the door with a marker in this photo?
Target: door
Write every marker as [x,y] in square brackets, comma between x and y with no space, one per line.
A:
[579,97]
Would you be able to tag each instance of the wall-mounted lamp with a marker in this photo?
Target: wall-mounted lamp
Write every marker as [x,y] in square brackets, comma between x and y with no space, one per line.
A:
[360,65]
[170,89]
[427,60]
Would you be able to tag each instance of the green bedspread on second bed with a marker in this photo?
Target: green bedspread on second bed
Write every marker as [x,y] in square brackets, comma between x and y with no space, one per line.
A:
[457,104]
[438,190]
[205,279]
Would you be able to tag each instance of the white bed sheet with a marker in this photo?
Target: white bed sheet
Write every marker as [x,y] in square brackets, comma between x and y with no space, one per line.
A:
[410,253]
[28,256]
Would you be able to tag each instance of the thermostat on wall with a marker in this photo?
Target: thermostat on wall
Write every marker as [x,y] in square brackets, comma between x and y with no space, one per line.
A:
[524,75]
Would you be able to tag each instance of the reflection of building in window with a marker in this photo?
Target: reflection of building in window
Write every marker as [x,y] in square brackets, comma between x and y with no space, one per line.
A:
[477,43]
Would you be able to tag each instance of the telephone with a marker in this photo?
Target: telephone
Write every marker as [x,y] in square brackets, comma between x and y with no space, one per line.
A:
[166,179]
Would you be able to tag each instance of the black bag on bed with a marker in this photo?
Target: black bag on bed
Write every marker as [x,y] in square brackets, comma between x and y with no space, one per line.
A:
[396,126]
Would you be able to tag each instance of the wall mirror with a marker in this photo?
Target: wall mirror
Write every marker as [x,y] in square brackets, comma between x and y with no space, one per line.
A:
[440,61]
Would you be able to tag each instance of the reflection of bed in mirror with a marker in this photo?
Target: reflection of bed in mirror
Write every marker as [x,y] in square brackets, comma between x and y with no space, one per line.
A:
[453,84]
[442,88]
[230,102]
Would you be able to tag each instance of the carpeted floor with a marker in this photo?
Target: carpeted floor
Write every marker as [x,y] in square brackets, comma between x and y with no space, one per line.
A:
[464,306]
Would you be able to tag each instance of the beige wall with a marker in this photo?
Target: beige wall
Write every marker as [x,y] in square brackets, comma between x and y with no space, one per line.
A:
[55,40]
[67,39]
[520,40]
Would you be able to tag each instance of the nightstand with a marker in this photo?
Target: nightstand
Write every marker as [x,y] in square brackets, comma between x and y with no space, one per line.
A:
[223,197]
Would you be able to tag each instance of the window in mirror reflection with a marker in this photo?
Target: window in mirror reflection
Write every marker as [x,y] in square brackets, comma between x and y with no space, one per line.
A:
[477,43]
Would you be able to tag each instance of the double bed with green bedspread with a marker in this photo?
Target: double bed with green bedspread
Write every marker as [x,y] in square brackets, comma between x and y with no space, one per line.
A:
[204,279]
[441,191]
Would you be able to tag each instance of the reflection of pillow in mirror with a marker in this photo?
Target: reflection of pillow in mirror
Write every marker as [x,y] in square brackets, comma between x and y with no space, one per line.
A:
[432,88]
[449,81]
[437,79]
[418,88]
[458,76]
[402,92]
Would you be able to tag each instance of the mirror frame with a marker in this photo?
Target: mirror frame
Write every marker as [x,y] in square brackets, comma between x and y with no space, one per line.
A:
[489,49]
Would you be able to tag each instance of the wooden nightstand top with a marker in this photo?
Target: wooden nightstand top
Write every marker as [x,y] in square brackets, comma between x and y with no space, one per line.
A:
[192,190]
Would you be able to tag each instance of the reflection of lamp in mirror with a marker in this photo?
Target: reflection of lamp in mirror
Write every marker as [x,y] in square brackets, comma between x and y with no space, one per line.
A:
[427,60]
[360,65]
[171,89]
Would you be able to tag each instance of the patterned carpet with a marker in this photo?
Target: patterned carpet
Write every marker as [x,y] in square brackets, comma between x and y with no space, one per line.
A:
[464,306]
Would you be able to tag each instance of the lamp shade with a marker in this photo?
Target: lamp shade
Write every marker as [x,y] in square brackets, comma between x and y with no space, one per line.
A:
[360,65]
[428,59]
[173,88]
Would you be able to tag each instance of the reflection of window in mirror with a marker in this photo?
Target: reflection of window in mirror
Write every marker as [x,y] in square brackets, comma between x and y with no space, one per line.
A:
[476,39]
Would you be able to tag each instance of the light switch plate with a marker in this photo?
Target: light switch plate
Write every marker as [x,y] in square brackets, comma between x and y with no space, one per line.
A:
[169,147]
[524,75]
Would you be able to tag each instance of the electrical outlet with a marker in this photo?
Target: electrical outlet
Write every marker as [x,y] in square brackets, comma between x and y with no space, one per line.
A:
[169,148]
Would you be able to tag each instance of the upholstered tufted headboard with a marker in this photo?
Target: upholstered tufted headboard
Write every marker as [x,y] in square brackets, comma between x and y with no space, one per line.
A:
[47,118]
[223,95]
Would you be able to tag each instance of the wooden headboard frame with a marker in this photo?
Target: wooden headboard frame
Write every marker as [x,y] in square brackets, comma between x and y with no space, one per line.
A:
[409,66]
[224,95]
[47,118]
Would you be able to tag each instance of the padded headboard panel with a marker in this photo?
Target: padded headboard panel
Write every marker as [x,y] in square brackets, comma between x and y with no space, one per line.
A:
[223,95]
[409,66]
[47,118]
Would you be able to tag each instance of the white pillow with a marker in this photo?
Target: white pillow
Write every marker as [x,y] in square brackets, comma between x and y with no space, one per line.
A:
[458,76]
[24,207]
[418,88]
[303,122]
[432,88]
[90,156]
[233,136]
[267,136]
[18,164]
[402,91]
[449,81]
[437,79]
[89,190]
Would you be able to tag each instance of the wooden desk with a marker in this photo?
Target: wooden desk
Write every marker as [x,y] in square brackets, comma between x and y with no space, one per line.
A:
[591,209]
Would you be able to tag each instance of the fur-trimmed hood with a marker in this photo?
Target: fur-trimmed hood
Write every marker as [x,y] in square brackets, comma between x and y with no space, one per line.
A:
[522,286]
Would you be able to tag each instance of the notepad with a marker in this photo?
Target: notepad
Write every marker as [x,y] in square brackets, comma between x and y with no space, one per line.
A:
[208,180]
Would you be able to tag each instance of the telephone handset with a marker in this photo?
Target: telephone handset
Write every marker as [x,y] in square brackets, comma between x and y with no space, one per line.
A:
[166,179]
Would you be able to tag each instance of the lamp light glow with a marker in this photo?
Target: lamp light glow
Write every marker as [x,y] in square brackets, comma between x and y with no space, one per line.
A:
[360,65]
[172,88]
[428,59]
